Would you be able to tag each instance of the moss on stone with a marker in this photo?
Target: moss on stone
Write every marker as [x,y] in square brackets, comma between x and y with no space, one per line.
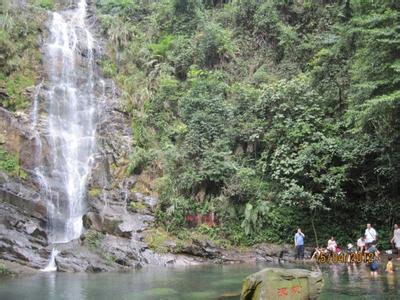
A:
[140,188]
[94,192]
[137,206]
[4,271]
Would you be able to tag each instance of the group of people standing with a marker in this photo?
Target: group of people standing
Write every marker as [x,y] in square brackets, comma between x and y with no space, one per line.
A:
[370,236]
[365,244]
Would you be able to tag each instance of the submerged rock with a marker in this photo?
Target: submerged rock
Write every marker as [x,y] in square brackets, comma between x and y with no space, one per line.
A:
[278,283]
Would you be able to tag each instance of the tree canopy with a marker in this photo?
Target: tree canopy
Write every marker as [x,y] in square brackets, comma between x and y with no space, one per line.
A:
[269,114]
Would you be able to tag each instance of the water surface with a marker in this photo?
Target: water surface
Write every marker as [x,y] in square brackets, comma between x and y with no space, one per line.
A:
[187,283]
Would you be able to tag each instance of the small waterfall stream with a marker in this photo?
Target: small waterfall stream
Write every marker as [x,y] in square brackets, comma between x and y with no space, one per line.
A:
[70,127]
[35,108]
[51,266]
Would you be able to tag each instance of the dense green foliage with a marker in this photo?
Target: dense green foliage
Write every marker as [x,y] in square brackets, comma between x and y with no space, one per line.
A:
[271,114]
[19,50]
[9,163]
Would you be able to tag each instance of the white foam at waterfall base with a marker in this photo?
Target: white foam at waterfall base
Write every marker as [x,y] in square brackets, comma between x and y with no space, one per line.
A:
[51,266]
[71,108]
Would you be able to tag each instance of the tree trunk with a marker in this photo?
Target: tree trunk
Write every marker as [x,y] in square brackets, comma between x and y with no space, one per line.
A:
[315,232]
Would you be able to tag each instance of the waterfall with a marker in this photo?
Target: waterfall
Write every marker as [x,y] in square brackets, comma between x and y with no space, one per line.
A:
[51,266]
[70,132]
[34,120]
[35,108]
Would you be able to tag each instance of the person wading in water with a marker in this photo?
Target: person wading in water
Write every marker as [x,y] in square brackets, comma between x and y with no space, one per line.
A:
[396,239]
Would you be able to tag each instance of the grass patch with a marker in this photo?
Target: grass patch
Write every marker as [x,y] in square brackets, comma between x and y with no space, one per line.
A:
[46,4]
[9,163]
[212,234]
[109,257]
[109,68]
[93,239]
[15,86]
[156,239]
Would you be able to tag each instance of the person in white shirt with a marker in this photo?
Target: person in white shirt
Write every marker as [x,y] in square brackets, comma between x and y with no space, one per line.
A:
[361,244]
[332,245]
[396,239]
[370,235]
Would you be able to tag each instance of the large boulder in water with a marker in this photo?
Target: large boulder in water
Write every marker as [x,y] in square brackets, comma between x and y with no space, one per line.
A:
[278,283]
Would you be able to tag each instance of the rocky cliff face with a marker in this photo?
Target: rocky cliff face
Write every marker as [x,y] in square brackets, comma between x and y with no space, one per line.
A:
[116,216]
[113,236]
[114,231]
[23,237]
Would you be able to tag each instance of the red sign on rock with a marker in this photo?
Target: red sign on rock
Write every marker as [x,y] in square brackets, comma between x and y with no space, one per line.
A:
[198,219]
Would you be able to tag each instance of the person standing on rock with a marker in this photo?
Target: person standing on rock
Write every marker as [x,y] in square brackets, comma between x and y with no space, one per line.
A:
[299,243]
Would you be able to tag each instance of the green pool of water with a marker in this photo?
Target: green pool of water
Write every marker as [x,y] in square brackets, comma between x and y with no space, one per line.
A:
[188,283]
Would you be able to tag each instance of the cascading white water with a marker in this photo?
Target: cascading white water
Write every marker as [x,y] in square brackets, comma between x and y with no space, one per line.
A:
[35,108]
[71,121]
[51,266]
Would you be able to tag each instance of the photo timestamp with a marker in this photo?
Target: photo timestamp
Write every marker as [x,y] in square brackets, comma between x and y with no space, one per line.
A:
[361,257]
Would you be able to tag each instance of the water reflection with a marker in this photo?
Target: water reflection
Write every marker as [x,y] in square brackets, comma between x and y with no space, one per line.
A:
[190,283]
[391,281]
[49,284]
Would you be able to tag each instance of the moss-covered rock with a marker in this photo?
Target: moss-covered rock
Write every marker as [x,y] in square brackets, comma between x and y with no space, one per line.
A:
[277,283]
[4,271]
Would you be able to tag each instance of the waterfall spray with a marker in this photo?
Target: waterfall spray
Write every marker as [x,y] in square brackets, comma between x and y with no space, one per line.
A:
[71,108]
